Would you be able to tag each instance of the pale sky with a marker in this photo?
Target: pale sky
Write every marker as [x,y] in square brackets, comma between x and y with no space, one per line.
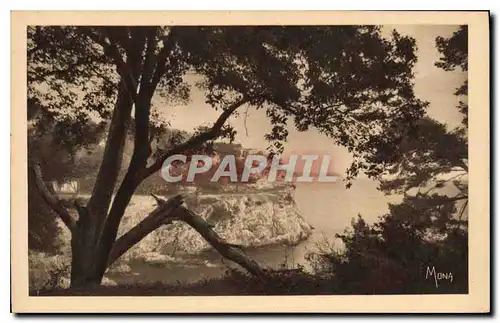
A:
[431,84]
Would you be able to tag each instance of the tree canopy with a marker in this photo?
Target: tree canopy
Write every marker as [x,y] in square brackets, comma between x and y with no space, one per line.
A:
[347,81]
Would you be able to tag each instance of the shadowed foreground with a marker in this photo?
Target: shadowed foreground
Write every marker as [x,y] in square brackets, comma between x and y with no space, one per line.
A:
[283,282]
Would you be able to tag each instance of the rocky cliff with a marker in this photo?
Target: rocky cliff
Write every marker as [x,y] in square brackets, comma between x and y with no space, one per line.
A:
[250,220]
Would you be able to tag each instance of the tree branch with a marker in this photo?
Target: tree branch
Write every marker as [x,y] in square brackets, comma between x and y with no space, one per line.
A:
[141,68]
[150,223]
[111,161]
[161,59]
[438,185]
[147,87]
[228,250]
[173,210]
[142,100]
[112,50]
[447,199]
[462,210]
[115,215]
[135,176]
[463,165]
[198,139]
[51,200]
[143,104]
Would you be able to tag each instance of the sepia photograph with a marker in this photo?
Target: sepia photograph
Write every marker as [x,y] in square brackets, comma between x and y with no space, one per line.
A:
[222,158]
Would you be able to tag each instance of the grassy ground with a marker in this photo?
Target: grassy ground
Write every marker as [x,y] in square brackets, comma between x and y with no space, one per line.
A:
[237,284]
[234,283]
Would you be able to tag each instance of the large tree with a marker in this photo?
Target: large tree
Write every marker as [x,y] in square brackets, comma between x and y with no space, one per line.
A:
[349,82]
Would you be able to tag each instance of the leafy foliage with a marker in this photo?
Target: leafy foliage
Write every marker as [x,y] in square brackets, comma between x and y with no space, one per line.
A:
[454,54]
[58,147]
[346,81]
[43,228]
[424,158]
[427,229]
[392,257]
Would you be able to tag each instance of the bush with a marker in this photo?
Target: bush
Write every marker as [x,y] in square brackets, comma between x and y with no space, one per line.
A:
[392,257]
[47,272]
[43,228]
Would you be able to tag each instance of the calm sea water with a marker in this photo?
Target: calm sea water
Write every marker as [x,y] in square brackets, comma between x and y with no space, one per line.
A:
[328,207]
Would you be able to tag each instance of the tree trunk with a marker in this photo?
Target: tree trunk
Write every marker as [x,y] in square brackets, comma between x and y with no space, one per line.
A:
[82,272]
[83,251]
[109,169]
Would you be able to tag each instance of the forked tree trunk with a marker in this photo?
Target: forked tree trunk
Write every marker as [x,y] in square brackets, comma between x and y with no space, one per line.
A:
[84,272]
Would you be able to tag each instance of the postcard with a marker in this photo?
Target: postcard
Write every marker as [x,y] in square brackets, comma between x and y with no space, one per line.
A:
[250,162]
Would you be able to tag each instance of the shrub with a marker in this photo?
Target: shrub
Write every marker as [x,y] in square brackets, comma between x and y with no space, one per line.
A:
[392,256]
